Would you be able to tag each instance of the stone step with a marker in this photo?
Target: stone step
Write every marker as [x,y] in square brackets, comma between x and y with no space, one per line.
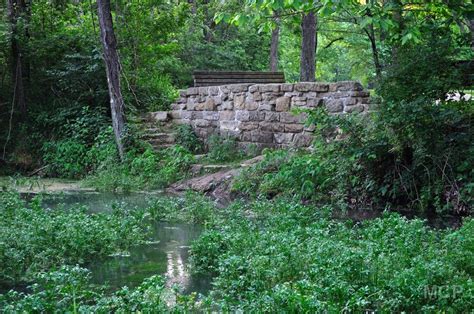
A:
[161,138]
[158,128]
[157,147]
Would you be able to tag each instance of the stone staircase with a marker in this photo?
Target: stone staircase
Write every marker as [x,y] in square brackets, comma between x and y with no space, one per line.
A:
[158,130]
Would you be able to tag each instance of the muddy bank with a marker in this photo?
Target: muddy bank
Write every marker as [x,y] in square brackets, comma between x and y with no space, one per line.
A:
[42,185]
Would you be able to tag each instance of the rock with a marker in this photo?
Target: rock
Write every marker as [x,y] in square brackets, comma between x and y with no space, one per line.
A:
[211,115]
[227,105]
[356,108]
[272,116]
[241,115]
[269,88]
[238,88]
[282,104]
[205,183]
[283,138]
[270,126]
[294,128]
[248,126]
[209,104]
[192,91]
[239,102]
[334,105]
[345,86]
[230,126]
[266,107]
[303,140]
[286,87]
[251,106]
[160,116]
[226,115]
[289,117]
[253,161]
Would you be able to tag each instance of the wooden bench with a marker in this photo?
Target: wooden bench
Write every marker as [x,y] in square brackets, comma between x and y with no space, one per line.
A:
[214,78]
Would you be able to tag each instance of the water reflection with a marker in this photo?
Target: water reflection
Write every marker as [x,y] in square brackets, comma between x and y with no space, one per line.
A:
[170,257]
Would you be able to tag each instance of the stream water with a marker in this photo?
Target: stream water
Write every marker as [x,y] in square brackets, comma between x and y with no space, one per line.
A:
[167,254]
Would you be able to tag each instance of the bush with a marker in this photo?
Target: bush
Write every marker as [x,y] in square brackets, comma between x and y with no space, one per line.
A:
[193,208]
[66,158]
[186,138]
[143,170]
[223,149]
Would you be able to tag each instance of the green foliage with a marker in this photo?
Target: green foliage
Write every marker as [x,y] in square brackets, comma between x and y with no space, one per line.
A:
[65,158]
[186,137]
[281,256]
[38,239]
[145,170]
[422,72]
[287,257]
[69,290]
[193,208]
[319,176]
[223,149]
[394,158]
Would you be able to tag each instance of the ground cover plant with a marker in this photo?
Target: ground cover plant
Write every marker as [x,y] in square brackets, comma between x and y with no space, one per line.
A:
[282,256]
[69,290]
[34,239]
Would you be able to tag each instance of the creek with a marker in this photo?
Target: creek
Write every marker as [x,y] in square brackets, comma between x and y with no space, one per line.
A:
[167,252]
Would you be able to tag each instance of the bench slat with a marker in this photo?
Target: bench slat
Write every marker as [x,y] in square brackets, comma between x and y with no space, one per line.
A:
[251,80]
[218,73]
[214,78]
[280,77]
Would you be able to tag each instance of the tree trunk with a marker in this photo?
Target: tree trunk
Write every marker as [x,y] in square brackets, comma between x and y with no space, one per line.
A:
[397,17]
[112,64]
[274,46]
[375,52]
[370,31]
[471,27]
[308,48]
[14,11]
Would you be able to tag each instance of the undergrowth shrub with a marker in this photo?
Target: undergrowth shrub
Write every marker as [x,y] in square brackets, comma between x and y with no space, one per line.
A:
[143,170]
[414,151]
[186,137]
[65,158]
[193,208]
[223,149]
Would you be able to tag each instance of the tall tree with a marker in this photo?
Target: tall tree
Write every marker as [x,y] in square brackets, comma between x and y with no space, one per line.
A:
[112,63]
[274,44]
[308,47]
[15,10]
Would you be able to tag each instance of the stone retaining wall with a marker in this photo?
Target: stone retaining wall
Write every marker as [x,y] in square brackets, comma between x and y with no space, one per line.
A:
[262,114]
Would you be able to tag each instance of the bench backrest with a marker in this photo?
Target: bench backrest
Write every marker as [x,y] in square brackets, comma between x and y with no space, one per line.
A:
[214,78]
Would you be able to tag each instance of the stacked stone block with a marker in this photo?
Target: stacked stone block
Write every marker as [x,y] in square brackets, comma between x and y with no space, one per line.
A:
[264,114]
